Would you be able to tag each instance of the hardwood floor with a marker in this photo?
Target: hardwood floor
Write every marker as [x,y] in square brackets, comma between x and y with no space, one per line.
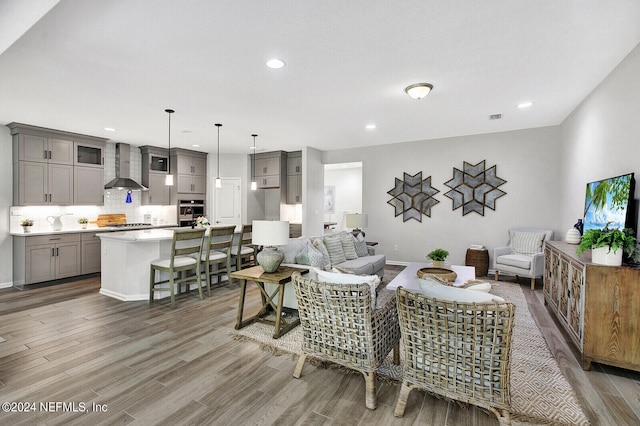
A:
[149,364]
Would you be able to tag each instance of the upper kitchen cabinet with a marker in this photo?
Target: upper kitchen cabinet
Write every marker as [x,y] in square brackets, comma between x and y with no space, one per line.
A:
[53,167]
[190,169]
[155,166]
[268,169]
[294,177]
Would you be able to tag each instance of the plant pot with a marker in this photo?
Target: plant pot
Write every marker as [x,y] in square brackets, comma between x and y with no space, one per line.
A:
[437,263]
[26,229]
[602,256]
[83,225]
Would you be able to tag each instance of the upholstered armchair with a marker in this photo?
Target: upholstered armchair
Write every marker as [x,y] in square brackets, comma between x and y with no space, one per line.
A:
[523,257]
[339,325]
[456,350]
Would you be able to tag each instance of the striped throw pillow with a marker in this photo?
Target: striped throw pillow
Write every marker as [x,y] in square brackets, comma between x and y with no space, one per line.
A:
[348,247]
[527,242]
[334,247]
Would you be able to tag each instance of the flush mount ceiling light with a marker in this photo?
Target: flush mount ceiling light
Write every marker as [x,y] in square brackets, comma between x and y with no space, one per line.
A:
[275,63]
[168,180]
[110,129]
[370,126]
[525,104]
[419,90]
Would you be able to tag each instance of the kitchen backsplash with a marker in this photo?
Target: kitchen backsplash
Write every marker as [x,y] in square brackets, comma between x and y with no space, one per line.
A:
[114,202]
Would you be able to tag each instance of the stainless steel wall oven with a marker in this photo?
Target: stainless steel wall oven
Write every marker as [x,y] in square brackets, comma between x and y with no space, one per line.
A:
[189,211]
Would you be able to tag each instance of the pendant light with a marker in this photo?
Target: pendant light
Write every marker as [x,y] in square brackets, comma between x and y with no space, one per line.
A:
[254,184]
[218,180]
[169,178]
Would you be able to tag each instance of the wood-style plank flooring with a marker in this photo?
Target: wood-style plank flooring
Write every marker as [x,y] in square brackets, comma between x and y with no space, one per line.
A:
[149,364]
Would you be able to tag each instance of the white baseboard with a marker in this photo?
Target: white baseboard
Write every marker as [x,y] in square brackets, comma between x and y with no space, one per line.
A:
[6,285]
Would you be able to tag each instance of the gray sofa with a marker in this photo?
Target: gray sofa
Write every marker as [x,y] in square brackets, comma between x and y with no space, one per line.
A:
[371,264]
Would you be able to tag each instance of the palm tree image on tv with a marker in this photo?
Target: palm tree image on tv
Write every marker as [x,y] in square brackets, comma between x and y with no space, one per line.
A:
[607,201]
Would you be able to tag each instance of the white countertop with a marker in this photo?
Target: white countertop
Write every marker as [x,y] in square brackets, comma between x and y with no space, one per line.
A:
[90,228]
[139,235]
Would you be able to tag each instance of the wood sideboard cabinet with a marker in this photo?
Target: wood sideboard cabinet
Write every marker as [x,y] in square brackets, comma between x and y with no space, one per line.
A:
[598,306]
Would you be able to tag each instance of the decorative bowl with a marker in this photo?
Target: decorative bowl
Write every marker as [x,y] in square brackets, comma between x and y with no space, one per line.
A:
[442,274]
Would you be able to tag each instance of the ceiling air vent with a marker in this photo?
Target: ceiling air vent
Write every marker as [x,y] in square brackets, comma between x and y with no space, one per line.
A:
[495,117]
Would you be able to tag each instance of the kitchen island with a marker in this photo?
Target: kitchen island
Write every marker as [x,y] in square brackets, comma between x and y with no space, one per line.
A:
[126,256]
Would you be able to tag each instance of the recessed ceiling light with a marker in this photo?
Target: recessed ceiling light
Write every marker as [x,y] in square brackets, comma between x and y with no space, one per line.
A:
[195,145]
[370,126]
[275,63]
[525,104]
[110,129]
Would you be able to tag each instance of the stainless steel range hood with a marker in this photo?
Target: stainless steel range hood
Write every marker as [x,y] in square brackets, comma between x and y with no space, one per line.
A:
[123,171]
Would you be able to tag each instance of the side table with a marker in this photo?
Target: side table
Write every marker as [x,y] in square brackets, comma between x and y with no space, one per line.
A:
[478,258]
[280,278]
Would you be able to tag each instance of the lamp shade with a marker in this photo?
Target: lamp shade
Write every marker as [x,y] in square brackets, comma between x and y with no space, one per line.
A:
[356,220]
[270,233]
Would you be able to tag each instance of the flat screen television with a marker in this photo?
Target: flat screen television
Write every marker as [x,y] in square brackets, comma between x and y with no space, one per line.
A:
[609,201]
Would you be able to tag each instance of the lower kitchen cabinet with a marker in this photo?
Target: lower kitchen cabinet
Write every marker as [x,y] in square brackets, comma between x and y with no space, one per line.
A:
[46,257]
[91,255]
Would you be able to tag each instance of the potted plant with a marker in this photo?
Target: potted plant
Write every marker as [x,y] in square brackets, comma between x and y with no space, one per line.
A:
[26,225]
[83,221]
[438,256]
[608,245]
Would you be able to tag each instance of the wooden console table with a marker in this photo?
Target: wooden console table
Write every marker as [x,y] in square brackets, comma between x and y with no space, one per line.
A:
[598,306]
[280,278]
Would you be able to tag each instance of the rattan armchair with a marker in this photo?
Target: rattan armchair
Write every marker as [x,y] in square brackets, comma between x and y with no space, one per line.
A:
[461,351]
[340,326]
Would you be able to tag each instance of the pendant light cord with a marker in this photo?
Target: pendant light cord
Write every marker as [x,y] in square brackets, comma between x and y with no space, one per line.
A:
[169,111]
[253,159]
[218,125]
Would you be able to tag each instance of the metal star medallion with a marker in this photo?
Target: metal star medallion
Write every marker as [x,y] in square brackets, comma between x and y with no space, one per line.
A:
[475,188]
[413,197]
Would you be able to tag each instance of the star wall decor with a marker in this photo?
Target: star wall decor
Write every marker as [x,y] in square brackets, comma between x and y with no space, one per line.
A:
[413,197]
[474,188]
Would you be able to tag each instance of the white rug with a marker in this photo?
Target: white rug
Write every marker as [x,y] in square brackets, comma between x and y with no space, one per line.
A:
[539,391]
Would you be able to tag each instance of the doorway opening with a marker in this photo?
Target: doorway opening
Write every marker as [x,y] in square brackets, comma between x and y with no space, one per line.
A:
[342,193]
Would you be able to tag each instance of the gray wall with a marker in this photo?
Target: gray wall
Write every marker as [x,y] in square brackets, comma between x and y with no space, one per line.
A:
[528,160]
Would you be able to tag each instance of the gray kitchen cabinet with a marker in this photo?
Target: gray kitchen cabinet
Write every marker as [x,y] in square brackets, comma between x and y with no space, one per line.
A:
[44,149]
[91,254]
[190,170]
[89,186]
[155,166]
[269,168]
[44,162]
[46,257]
[294,177]
[42,184]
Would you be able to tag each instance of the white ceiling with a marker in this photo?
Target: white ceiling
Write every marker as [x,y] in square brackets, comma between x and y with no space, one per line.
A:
[91,64]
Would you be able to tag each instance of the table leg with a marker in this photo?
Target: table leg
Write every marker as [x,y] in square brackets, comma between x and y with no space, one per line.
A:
[243,290]
[277,333]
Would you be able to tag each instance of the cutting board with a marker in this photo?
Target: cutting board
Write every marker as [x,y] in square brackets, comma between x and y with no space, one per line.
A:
[110,219]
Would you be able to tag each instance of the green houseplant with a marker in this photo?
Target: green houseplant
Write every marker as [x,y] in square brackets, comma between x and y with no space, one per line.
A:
[438,256]
[614,239]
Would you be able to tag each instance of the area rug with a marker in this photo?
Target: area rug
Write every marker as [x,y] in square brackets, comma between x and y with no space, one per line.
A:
[540,393]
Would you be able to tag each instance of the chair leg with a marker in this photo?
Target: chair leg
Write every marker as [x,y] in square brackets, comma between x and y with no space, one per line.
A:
[173,296]
[298,371]
[533,284]
[208,272]
[370,390]
[152,280]
[401,405]
[396,354]
[496,275]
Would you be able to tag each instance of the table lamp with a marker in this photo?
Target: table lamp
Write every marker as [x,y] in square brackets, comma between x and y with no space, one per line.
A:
[356,221]
[270,233]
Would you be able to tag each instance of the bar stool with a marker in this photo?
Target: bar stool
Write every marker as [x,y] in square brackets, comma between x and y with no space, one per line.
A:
[244,253]
[216,255]
[186,243]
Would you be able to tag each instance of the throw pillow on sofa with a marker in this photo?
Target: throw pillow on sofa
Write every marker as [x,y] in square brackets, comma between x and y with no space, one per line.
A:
[311,256]
[361,245]
[318,244]
[348,247]
[432,288]
[334,247]
[335,278]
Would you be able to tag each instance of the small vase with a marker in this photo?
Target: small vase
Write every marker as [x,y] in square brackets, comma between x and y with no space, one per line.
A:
[573,236]
[26,229]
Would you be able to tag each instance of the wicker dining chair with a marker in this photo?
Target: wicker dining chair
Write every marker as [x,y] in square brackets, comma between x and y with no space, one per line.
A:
[461,351]
[340,326]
